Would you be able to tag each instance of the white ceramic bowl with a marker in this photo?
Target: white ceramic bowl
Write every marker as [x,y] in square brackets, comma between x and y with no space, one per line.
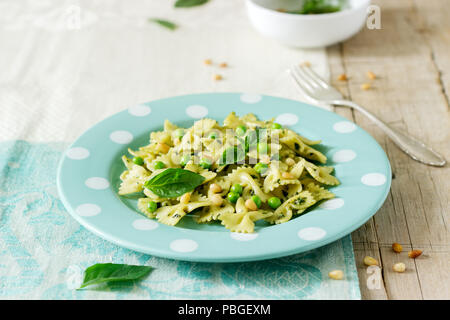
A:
[306,31]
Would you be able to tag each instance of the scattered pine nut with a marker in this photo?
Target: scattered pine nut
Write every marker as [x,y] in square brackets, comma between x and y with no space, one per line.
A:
[185,198]
[371,75]
[215,188]
[369,261]
[342,77]
[216,199]
[287,175]
[336,274]
[365,86]
[207,62]
[414,253]
[399,267]
[397,247]
[223,65]
[305,64]
[251,205]
[217,77]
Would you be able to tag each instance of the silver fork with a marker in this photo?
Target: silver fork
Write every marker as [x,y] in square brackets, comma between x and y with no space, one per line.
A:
[319,91]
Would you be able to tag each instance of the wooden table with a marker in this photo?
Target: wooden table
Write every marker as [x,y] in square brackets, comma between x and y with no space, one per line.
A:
[411,57]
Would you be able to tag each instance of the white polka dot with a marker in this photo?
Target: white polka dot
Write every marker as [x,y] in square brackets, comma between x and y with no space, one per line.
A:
[77,153]
[344,127]
[88,210]
[287,119]
[250,98]
[373,179]
[311,234]
[97,183]
[196,111]
[145,224]
[344,156]
[332,204]
[243,236]
[140,110]
[121,137]
[183,245]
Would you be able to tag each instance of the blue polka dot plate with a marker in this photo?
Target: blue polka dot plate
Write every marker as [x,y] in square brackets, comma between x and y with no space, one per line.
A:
[88,180]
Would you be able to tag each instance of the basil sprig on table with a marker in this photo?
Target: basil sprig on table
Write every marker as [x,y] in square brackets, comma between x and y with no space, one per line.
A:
[189,3]
[174,182]
[164,23]
[110,272]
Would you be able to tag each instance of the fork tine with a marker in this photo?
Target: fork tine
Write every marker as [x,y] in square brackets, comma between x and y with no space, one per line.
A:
[315,77]
[307,78]
[304,87]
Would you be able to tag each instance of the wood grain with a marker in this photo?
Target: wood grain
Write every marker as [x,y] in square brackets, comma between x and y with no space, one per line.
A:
[410,57]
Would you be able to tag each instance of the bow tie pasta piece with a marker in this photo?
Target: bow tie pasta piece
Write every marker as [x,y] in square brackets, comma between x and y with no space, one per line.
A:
[133,180]
[171,215]
[244,221]
[321,174]
[211,213]
[293,141]
[294,205]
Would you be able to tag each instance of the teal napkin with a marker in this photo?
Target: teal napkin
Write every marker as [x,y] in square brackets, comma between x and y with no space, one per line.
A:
[43,251]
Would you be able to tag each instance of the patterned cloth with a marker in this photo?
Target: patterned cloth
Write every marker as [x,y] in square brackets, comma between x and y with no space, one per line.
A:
[43,251]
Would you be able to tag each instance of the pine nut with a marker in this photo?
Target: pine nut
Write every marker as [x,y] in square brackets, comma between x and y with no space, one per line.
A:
[251,205]
[207,61]
[215,188]
[162,147]
[399,267]
[365,86]
[371,75]
[369,261]
[397,247]
[223,65]
[342,77]
[217,77]
[414,253]
[216,199]
[336,274]
[185,198]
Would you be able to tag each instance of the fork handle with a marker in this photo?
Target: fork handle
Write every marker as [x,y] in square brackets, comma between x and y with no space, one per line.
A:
[411,146]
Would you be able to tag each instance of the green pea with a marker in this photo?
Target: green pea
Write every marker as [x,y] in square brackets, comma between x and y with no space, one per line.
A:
[152,206]
[159,165]
[257,201]
[261,167]
[179,133]
[276,125]
[263,148]
[185,159]
[205,163]
[237,188]
[212,135]
[138,160]
[274,202]
[233,197]
[240,130]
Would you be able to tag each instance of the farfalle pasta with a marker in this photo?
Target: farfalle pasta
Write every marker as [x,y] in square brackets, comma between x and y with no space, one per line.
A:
[244,171]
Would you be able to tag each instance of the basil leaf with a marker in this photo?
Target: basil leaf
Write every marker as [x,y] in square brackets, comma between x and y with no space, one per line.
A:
[189,3]
[167,24]
[174,182]
[110,272]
